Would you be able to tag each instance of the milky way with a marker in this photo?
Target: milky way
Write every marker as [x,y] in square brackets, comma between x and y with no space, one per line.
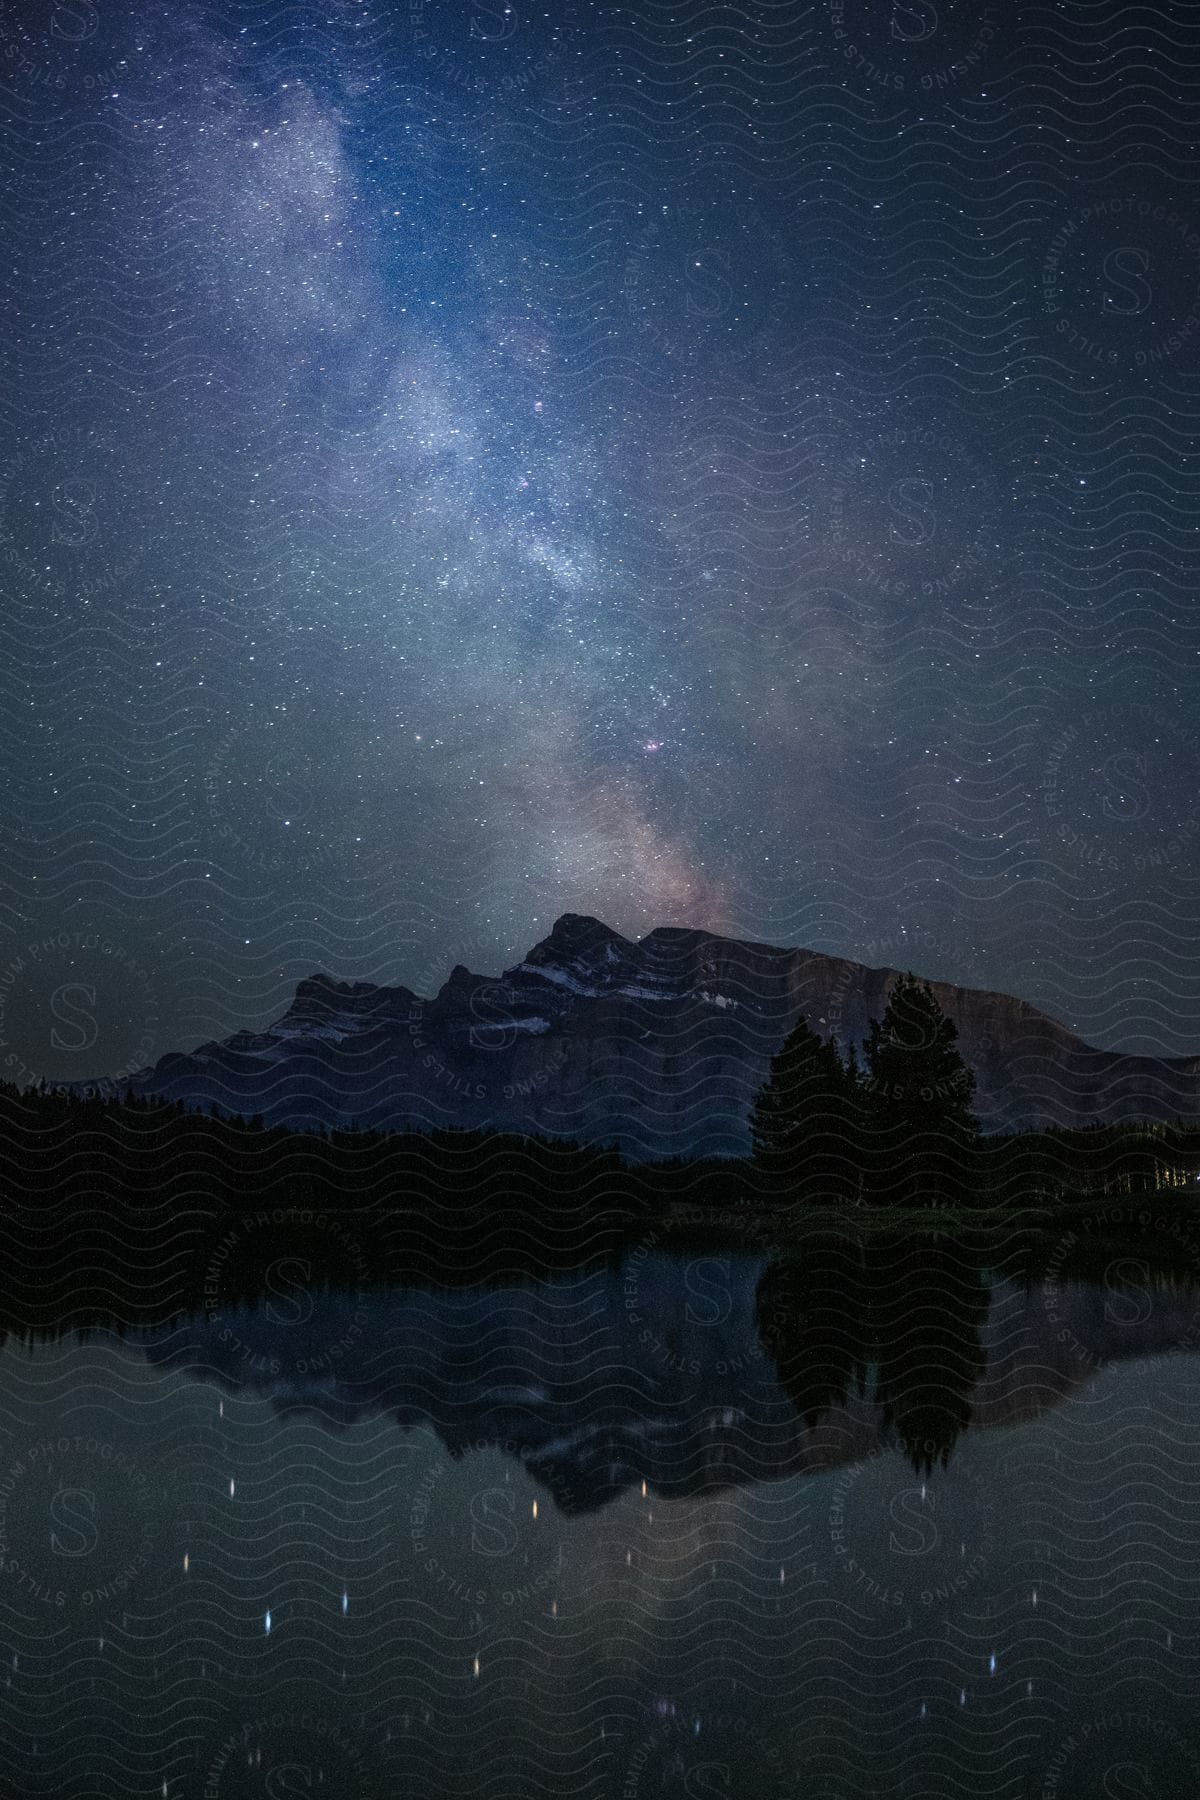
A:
[694,465]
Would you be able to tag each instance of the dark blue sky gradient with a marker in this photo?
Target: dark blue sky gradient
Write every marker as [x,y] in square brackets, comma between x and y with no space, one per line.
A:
[707,465]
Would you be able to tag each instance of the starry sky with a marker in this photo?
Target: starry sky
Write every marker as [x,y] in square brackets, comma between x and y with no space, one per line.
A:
[693,464]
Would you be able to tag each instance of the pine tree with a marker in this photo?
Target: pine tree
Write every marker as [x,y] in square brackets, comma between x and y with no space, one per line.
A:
[854,1108]
[920,1131]
[801,1125]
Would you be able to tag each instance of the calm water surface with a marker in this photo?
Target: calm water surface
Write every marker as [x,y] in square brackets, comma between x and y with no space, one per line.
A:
[689,1526]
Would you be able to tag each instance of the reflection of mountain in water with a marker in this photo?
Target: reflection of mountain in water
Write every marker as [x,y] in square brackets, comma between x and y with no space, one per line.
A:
[692,1375]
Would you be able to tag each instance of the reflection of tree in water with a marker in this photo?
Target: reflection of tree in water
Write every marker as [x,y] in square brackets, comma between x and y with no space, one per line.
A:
[929,1311]
[912,1313]
[811,1315]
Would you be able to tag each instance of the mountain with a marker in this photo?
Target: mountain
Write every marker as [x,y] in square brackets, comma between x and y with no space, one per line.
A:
[657,1045]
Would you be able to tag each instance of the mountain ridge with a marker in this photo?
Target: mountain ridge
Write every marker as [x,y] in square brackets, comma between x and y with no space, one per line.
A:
[656,1044]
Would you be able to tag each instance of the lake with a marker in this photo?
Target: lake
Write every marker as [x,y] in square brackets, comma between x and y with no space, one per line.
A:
[699,1524]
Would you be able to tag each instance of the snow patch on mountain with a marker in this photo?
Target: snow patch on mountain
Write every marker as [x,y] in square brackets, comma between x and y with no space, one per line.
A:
[343,1026]
[534,1026]
[560,978]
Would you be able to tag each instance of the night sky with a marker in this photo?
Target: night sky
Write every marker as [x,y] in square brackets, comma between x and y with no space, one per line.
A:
[728,466]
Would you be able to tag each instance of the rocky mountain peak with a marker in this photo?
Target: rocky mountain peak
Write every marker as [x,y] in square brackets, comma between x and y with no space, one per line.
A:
[459,980]
[658,1044]
[324,1004]
[577,935]
[325,990]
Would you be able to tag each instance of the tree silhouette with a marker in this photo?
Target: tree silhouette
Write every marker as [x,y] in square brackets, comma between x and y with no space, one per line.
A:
[920,1132]
[802,1123]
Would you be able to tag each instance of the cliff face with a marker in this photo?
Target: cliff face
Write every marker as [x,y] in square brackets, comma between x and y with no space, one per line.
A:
[658,1045]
